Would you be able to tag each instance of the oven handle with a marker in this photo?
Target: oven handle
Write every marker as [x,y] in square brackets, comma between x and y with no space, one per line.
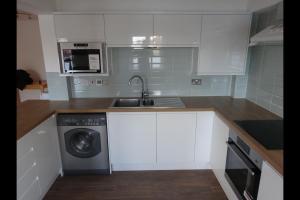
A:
[251,167]
[247,196]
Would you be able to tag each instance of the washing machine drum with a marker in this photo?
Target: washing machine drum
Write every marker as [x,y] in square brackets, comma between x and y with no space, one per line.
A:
[83,142]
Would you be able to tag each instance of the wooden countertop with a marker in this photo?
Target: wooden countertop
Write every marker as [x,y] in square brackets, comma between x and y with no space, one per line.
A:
[32,112]
[37,85]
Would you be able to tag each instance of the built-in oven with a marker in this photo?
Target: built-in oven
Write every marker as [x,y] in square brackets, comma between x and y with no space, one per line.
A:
[243,168]
[82,57]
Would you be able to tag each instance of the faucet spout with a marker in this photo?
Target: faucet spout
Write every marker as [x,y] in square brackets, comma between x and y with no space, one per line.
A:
[142,80]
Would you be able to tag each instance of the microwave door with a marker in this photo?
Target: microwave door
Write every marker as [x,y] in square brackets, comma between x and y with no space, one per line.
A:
[80,60]
[86,60]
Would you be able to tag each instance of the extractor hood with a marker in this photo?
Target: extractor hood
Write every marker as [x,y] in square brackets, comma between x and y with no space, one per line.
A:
[270,35]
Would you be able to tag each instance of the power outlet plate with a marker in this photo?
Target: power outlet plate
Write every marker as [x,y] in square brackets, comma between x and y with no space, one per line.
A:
[196,81]
[99,82]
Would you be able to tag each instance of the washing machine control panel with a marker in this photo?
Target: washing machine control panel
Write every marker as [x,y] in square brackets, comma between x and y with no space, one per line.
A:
[81,120]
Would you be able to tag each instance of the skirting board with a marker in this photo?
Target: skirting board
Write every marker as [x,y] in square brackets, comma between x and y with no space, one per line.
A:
[160,166]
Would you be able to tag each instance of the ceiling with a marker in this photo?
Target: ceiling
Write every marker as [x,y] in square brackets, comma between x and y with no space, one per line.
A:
[49,6]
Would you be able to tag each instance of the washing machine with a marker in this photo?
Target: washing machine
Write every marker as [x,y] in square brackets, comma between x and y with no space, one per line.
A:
[83,143]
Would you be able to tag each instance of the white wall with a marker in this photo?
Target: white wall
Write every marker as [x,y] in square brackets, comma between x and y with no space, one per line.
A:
[254,5]
[151,5]
[29,48]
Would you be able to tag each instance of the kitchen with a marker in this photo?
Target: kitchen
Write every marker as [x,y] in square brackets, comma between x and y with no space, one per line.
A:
[144,93]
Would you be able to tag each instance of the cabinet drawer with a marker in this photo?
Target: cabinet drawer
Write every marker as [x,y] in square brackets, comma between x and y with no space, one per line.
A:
[24,183]
[25,163]
[24,144]
[46,127]
[33,192]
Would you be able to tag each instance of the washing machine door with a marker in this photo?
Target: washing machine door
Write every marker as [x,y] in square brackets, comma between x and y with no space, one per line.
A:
[83,142]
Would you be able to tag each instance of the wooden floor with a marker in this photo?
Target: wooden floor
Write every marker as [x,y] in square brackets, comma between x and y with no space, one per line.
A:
[173,185]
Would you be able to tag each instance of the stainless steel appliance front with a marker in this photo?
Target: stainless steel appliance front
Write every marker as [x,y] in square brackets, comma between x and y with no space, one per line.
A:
[83,142]
[243,168]
[81,57]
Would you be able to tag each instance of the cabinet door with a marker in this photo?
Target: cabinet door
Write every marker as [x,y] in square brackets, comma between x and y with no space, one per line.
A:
[48,157]
[178,29]
[79,28]
[203,138]
[128,29]
[33,191]
[224,44]
[27,172]
[271,184]
[220,133]
[132,139]
[176,134]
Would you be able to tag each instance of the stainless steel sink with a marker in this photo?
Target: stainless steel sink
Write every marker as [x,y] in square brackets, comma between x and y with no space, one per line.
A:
[147,103]
[126,103]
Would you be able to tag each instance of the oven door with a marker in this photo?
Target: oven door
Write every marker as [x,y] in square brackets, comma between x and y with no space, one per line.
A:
[81,60]
[241,173]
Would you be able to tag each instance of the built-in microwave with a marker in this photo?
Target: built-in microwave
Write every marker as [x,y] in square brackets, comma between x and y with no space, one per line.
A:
[82,58]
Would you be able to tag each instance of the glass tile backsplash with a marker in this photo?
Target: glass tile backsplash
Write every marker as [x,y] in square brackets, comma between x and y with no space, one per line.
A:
[166,71]
[265,76]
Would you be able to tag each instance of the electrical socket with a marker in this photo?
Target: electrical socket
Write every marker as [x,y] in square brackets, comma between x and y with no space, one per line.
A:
[196,81]
[99,82]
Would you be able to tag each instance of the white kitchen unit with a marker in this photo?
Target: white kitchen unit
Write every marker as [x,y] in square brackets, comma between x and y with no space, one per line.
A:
[271,184]
[132,140]
[224,44]
[176,136]
[203,138]
[131,29]
[38,161]
[79,28]
[160,140]
[180,30]
[48,153]
[27,173]
[220,133]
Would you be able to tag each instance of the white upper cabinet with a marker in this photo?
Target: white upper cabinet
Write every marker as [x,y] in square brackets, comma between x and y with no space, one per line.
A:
[128,29]
[79,28]
[223,45]
[183,30]
[271,184]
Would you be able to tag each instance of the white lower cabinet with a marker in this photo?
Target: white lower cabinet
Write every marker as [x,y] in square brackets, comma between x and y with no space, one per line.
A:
[48,155]
[38,161]
[271,184]
[220,133]
[176,136]
[203,138]
[159,141]
[132,140]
